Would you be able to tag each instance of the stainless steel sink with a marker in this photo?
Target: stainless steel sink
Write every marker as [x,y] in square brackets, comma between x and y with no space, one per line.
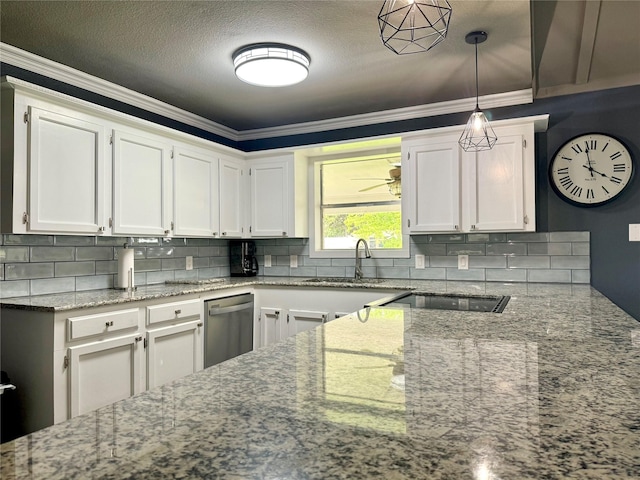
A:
[342,280]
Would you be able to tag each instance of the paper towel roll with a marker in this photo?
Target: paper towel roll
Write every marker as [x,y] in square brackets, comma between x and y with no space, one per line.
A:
[125,267]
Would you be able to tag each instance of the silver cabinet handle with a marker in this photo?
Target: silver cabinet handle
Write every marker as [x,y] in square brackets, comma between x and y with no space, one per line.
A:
[215,234]
[101,229]
[166,232]
[6,386]
[109,324]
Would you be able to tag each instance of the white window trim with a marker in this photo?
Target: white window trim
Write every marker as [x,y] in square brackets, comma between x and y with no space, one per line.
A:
[314,225]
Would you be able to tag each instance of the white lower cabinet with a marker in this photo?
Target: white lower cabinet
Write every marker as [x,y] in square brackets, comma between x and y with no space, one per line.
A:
[173,352]
[103,372]
[174,341]
[81,360]
[303,320]
[288,311]
[270,325]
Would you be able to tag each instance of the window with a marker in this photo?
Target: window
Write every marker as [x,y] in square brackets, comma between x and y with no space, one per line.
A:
[357,195]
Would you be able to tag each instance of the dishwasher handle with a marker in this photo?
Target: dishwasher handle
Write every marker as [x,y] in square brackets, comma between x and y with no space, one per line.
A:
[215,310]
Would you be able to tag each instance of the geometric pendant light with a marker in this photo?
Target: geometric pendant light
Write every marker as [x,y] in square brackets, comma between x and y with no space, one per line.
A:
[412,26]
[478,134]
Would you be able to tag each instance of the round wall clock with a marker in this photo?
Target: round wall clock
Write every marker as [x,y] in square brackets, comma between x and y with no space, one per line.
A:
[591,169]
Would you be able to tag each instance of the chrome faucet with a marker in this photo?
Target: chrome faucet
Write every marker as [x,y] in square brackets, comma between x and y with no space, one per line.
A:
[367,254]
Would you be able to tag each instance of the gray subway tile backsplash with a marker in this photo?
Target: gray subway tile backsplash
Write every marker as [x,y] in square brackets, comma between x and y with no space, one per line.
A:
[38,264]
[9,254]
[45,286]
[52,254]
[21,271]
[506,248]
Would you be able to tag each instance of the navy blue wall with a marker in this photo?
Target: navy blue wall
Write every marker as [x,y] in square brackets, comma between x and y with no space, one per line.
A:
[615,262]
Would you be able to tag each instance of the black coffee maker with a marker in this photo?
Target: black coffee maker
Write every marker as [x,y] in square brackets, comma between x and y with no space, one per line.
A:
[242,258]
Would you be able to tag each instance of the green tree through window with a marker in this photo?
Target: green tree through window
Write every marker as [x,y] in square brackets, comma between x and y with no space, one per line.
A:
[357,202]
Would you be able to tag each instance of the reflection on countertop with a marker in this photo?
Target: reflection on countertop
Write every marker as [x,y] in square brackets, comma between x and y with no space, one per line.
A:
[550,388]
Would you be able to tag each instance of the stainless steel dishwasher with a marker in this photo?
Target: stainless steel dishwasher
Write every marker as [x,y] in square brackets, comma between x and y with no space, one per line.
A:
[229,328]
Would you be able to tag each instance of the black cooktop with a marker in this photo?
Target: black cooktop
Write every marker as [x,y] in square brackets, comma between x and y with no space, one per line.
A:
[472,303]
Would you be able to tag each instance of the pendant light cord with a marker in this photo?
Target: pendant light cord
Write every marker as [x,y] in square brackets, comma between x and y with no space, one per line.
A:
[477,105]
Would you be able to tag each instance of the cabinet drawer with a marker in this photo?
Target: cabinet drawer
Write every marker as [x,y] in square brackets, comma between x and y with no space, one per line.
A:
[101,323]
[173,311]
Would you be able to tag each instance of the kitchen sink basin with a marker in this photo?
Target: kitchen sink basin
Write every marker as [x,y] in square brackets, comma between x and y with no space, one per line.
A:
[342,280]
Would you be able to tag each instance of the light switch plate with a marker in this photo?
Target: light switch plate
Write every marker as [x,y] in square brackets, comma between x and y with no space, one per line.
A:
[267,260]
[419,261]
[634,232]
[293,261]
[463,262]
[189,263]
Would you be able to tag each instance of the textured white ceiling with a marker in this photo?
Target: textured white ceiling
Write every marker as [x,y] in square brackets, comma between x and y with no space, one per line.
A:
[180,52]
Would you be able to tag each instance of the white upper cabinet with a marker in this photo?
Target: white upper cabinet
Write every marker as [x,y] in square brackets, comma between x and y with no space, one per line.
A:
[196,209]
[66,173]
[141,185]
[270,198]
[431,185]
[448,190]
[232,192]
[494,186]
[278,195]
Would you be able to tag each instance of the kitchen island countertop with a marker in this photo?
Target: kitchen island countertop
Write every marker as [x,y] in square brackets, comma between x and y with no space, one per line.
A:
[550,388]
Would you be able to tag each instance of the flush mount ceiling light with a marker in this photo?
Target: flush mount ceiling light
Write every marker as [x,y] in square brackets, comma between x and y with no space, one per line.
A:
[412,26]
[478,134]
[271,64]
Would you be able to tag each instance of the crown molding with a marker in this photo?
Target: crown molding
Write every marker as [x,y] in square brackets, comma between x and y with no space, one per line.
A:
[518,97]
[57,71]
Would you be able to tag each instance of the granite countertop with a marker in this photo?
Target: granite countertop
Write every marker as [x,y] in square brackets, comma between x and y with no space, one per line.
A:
[550,388]
[96,298]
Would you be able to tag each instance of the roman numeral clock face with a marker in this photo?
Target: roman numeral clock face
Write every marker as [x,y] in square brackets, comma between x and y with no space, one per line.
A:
[591,169]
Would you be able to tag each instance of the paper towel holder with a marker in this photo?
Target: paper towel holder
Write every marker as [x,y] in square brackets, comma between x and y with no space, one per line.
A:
[130,287]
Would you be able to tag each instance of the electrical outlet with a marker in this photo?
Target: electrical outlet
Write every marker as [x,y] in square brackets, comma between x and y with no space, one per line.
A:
[634,232]
[463,262]
[419,261]
[293,261]
[267,260]
[189,263]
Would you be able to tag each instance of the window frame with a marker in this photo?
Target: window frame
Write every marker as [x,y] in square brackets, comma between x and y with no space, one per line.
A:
[315,215]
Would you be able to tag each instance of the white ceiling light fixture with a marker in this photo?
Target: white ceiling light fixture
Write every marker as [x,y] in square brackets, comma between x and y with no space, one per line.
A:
[271,64]
[478,134]
[412,26]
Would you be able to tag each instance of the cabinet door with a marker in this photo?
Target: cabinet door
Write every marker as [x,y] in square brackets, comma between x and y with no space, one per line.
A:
[302,320]
[66,173]
[493,186]
[103,372]
[271,325]
[433,186]
[173,352]
[231,194]
[270,191]
[141,185]
[195,194]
